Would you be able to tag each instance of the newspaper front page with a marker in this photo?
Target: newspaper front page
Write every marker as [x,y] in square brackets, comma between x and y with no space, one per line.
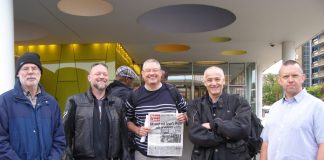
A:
[166,137]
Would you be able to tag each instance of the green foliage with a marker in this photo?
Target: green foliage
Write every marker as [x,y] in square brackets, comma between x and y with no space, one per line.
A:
[271,89]
[317,91]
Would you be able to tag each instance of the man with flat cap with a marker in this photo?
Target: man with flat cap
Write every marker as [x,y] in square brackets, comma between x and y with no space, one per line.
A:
[30,118]
[122,86]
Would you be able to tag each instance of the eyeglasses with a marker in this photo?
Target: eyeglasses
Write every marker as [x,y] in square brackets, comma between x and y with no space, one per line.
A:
[154,70]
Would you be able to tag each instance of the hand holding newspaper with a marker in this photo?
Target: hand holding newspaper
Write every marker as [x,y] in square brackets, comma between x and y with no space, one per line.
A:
[146,124]
[166,135]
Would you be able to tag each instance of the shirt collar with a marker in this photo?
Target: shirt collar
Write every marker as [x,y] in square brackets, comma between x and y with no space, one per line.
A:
[27,93]
[218,103]
[210,101]
[296,98]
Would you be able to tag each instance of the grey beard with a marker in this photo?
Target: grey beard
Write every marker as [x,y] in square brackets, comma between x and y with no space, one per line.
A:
[99,88]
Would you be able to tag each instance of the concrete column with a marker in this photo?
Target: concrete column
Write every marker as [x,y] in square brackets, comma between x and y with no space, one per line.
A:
[192,82]
[288,50]
[259,84]
[7,61]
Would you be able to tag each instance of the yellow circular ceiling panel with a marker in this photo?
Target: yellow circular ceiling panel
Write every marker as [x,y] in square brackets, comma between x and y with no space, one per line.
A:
[170,48]
[209,62]
[174,63]
[234,52]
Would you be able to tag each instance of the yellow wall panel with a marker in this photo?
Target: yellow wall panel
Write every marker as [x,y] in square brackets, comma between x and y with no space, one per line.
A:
[111,53]
[67,74]
[65,90]
[90,51]
[83,80]
[66,66]
[47,52]
[20,50]
[67,53]
[49,81]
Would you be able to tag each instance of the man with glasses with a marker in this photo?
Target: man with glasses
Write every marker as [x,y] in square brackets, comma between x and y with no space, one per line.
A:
[30,119]
[294,128]
[153,96]
[94,122]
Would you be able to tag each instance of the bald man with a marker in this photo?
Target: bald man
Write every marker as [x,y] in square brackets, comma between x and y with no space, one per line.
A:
[218,122]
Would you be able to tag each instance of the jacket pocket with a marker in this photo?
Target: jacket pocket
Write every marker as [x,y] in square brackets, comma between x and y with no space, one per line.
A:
[83,138]
[196,154]
[201,153]
[25,155]
[236,147]
[238,150]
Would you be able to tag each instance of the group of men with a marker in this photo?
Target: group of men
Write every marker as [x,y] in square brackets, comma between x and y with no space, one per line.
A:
[96,124]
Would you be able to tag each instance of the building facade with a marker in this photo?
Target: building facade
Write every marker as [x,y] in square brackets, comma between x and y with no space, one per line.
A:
[311,56]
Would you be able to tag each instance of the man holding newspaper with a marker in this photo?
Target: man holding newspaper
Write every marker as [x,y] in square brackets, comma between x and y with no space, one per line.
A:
[165,116]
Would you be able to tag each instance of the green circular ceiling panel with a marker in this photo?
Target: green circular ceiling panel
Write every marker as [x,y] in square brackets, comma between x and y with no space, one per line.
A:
[234,52]
[220,39]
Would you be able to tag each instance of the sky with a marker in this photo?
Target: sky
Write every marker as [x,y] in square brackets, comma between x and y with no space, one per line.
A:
[274,69]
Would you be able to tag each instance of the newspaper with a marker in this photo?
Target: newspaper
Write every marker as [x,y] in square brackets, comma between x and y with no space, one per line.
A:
[166,136]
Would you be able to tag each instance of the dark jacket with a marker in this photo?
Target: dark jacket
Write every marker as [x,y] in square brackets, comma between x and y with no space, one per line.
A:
[119,89]
[27,133]
[230,126]
[78,126]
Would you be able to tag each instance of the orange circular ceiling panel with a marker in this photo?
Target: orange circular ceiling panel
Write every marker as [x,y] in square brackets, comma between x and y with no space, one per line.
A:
[234,52]
[170,48]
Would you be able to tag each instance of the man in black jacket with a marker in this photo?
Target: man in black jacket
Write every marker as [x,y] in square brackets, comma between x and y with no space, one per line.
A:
[122,86]
[94,122]
[218,122]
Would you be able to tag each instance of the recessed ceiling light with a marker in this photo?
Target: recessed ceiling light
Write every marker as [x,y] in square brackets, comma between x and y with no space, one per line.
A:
[209,62]
[170,48]
[234,52]
[174,63]
[85,7]
[220,39]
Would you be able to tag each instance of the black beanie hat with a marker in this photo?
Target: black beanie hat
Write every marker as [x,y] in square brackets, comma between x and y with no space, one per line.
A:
[28,58]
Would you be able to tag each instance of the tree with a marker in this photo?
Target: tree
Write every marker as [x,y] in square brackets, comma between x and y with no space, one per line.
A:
[316,90]
[271,89]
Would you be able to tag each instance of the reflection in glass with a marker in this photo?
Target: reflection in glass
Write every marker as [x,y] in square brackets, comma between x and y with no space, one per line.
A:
[240,78]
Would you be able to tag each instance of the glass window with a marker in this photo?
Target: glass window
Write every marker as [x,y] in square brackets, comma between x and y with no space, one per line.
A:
[237,74]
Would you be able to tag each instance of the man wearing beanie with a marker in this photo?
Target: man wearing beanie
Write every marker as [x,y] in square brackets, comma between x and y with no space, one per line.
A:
[30,119]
